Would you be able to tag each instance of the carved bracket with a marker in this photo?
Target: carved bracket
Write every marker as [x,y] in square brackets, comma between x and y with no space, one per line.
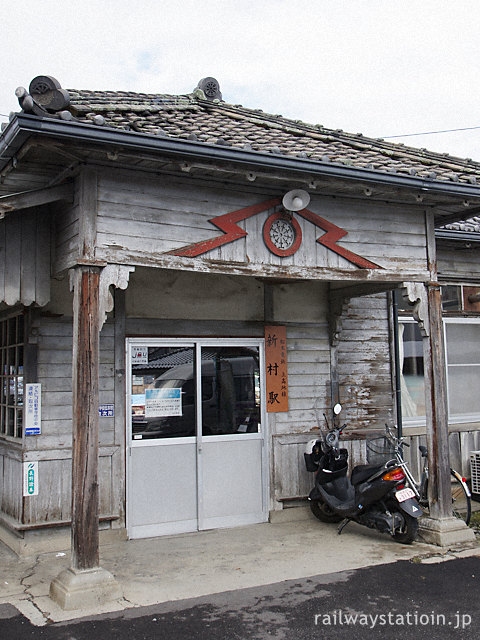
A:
[113,275]
[415,293]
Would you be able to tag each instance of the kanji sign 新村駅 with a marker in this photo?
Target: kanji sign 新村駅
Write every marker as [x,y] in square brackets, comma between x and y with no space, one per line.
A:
[276,368]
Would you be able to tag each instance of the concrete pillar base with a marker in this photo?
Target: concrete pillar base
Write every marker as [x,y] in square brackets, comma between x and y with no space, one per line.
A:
[445,532]
[75,589]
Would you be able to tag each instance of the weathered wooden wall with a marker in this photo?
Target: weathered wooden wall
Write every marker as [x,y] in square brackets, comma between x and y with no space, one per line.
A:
[364,363]
[66,225]
[25,257]
[11,480]
[364,372]
[142,217]
[458,264]
[53,447]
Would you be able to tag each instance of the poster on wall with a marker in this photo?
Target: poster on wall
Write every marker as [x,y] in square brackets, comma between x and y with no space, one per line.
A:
[163,402]
[30,478]
[33,409]
[139,355]
[276,374]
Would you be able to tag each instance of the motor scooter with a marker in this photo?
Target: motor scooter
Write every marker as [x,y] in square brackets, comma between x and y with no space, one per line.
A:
[374,495]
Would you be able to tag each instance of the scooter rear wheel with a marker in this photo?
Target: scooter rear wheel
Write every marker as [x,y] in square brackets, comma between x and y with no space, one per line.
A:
[410,530]
[323,512]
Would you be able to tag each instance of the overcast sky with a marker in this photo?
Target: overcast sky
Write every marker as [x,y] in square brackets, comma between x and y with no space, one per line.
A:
[379,67]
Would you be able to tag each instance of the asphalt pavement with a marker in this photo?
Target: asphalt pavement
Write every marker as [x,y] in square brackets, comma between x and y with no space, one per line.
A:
[423,597]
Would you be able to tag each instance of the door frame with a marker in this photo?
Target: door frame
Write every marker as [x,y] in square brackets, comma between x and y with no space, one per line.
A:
[197,344]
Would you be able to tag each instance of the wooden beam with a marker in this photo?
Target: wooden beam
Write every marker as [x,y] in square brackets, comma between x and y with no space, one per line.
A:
[36,198]
[87,186]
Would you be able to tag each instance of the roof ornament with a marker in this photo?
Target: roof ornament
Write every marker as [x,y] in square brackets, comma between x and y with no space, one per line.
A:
[45,98]
[210,88]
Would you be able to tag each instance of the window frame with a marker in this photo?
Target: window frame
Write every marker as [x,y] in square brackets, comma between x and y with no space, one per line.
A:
[419,421]
[457,418]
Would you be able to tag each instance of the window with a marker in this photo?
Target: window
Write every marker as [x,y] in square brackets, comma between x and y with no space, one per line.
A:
[462,347]
[166,384]
[11,377]
[412,384]
[462,341]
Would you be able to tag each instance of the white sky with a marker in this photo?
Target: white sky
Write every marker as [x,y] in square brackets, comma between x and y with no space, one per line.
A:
[379,67]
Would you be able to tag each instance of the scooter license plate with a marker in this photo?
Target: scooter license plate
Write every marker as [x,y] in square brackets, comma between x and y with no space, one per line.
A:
[404,494]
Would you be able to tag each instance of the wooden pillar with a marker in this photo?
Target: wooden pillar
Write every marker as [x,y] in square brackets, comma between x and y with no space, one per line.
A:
[85,418]
[440,527]
[436,408]
[85,583]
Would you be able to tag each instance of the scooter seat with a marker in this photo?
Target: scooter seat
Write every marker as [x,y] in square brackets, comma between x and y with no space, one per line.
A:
[363,471]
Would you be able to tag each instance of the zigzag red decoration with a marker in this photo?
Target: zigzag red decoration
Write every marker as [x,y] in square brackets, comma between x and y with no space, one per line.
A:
[331,237]
[228,224]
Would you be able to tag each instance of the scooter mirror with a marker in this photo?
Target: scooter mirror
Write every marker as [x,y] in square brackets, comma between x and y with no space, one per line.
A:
[337,408]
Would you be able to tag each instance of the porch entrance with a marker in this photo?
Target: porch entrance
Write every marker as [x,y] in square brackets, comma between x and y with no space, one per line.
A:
[196,446]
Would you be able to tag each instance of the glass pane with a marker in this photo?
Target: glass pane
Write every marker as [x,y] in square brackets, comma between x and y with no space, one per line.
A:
[451,298]
[230,390]
[12,331]
[463,343]
[19,425]
[11,390]
[12,361]
[20,391]
[411,360]
[163,392]
[20,328]
[464,390]
[10,421]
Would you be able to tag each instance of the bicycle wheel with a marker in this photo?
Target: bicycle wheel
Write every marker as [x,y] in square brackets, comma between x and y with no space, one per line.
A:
[461,502]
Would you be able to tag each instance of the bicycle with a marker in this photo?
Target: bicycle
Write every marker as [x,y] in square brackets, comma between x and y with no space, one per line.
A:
[461,496]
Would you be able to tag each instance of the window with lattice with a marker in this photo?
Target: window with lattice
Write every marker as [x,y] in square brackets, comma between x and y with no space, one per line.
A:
[12,342]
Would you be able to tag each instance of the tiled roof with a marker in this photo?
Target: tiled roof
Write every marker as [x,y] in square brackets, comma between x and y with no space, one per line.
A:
[194,117]
[472,225]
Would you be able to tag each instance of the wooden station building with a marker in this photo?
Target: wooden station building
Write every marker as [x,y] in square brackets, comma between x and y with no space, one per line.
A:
[220,276]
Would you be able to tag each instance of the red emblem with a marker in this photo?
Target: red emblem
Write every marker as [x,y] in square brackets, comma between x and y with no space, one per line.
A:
[228,223]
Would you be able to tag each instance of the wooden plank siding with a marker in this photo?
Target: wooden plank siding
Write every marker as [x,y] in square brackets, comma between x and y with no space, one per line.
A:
[364,364]
[53,448]
[67,235]
[459,265]
[11,475]
[142,217]
[364,372]
[25,257]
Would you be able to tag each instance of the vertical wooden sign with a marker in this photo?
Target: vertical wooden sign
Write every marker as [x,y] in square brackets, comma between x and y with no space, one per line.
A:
[276,368]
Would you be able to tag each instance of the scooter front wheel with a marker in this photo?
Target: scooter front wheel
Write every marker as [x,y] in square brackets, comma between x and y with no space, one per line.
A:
[323,512]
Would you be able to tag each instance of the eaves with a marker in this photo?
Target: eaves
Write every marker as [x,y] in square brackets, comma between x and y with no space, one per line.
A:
[468,237]
[23,126]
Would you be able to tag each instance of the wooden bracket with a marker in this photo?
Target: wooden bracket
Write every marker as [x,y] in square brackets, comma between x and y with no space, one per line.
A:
[415,293]
[111,275]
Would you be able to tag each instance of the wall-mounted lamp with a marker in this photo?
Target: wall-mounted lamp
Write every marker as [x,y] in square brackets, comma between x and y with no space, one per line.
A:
[296,200]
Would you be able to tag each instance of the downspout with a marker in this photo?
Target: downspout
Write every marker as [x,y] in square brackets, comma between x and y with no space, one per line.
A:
[398,373]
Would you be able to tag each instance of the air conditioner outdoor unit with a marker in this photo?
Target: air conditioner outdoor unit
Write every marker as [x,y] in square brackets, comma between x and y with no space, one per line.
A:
[475,468]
